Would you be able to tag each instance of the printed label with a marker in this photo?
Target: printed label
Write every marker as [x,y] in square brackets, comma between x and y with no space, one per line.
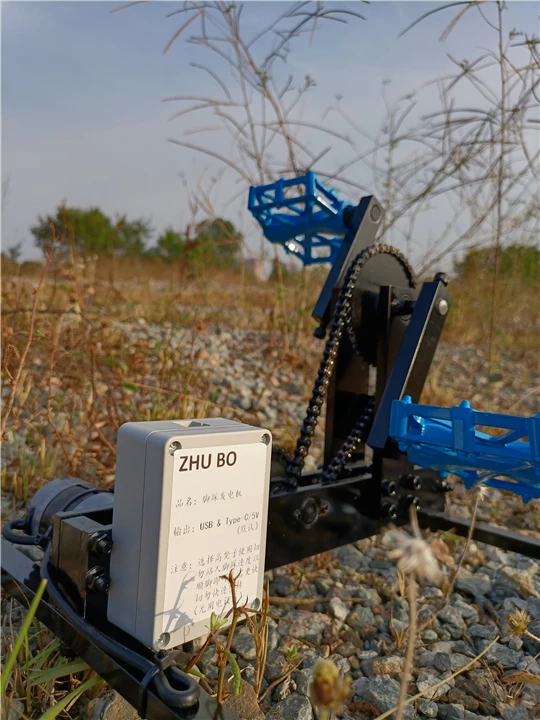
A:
[217,506]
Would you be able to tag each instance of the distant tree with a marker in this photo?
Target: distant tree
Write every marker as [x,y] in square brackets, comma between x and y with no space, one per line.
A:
[93,232]
[89,230]
[218,242]
[171,245]
[516,261]
[14,253]
[131,236]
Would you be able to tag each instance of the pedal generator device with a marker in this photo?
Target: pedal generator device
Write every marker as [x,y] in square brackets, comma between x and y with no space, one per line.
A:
[135,573]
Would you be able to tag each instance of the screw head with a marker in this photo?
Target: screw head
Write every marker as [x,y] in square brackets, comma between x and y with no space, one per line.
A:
[97,580]
[388,487]
[389,510]
[104,546]
[174,446]
[100,543]
[309,511]
[412,500]
[163,640]
[443,307]
[265,439]
[375,214]
[102,584]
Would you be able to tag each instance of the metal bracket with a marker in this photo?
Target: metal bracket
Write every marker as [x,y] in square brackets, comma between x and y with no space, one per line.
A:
[482,532]
[414,358]
[20,579]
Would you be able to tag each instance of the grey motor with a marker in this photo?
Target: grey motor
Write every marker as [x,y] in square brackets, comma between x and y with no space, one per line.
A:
[60,496]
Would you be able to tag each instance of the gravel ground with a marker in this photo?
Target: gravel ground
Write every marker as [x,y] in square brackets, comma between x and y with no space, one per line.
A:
[358,635]
[354,618]
[357,611]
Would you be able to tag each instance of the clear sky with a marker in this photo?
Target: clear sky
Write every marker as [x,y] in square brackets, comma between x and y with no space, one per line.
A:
[82,89]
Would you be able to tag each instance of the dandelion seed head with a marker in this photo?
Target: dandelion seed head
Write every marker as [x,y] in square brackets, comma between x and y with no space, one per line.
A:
[415,557]
[482,491]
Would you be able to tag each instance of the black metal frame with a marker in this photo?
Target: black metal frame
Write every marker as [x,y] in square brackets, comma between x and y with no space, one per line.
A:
[314,516]
[20,579]
[482,532]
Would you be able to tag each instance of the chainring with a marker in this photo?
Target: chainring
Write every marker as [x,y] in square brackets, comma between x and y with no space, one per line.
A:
[385,268]
[365,276]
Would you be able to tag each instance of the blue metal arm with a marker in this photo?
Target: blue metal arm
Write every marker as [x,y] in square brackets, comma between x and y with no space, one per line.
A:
[301,214]
[446,439]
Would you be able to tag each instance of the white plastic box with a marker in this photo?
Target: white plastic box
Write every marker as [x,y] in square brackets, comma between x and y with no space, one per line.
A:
[191,503]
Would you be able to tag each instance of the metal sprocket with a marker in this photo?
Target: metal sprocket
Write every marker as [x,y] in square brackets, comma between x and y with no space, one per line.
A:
[388,267]
[395,272]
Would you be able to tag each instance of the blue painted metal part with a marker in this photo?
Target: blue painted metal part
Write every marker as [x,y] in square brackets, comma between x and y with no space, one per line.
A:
[446,439]
[301,214]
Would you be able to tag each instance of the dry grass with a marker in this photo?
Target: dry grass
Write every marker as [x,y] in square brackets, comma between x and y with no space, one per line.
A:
[517,317]
[83,374]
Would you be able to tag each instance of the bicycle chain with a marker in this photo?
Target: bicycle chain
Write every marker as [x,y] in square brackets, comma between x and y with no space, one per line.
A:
[341,319]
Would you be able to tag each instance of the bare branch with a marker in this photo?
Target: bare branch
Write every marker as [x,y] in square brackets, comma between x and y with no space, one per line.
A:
[213,154]
[128,5]
[181,30]
[432,12]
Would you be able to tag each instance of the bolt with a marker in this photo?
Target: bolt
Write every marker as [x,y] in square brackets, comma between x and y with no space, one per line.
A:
[100,543]
[388,487]
[442,277]
[265,439]
[389,510]
[97,580]
[163,640]
[174,446]
[102,584]
[410,481]
[307,513]
[409,500]
[442,307]
[375,214]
